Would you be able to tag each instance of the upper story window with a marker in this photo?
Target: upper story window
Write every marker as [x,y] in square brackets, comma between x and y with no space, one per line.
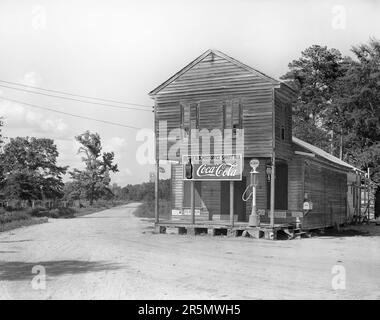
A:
[233,118]
[189,117]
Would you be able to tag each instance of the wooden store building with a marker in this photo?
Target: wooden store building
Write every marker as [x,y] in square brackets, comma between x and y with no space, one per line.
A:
[295,182]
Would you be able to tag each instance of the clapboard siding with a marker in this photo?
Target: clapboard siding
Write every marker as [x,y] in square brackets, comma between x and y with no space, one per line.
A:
[296,183]
[283,118]
[212,74]
[211,82]
[327,189]
[177,186]
[211,193]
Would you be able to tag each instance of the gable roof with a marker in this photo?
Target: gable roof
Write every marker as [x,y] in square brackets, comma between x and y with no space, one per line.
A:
[219,54]
[322,153]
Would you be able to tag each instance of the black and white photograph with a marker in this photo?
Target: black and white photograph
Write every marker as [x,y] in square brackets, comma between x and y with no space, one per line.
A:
[176,150]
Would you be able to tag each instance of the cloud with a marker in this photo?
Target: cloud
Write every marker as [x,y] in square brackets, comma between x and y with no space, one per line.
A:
[34,123]
[18,116]
[120,147]
[32,79]
[115,144]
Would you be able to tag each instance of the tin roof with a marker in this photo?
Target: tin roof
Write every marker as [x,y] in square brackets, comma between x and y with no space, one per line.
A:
[322,153]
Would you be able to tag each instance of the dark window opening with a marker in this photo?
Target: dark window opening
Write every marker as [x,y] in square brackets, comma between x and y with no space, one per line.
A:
[283,133]
[232,117]
[189,117]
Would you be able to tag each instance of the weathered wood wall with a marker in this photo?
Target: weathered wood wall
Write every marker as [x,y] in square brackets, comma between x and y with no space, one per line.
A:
[327,189]
[296,183]
[283,119]
[211,82]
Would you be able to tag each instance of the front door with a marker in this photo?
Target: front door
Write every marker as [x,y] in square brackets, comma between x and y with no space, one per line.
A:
[281,187]
[239,204]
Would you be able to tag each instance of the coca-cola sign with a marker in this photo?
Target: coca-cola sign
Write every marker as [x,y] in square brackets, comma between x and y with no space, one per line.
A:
[212,167]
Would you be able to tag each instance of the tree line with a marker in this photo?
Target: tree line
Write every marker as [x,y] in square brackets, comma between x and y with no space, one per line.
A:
[29,170]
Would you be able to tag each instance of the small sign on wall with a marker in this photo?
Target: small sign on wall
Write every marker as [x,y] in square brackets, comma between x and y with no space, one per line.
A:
[280,214]
[187,212]
[176,212]
[308,205]
[297,214]
[261,212]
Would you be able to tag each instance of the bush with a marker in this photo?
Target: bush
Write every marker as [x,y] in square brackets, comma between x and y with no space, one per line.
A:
[66,212]
[13,216]
[38,212]
[101,204]
[9,208]
[146,209]
[53,213]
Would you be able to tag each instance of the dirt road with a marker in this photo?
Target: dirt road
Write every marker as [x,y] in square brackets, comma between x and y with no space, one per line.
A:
[114,255]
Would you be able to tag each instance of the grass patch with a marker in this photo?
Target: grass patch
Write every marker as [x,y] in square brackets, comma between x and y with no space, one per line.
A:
[6,217]
[21,223]
[146,209]
[15,219]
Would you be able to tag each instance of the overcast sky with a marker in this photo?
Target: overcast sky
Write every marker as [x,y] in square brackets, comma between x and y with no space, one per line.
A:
[123,49]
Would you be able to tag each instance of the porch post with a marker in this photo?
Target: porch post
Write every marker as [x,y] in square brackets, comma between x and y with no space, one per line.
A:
[360,196]
[272,179]
[232,203]
[272,189]
[156,203]
[192,201]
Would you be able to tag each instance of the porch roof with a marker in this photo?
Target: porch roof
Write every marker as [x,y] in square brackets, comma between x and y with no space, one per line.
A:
[319,152]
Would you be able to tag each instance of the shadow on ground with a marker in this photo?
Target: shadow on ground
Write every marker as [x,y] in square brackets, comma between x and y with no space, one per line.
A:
[14,241]
[333,233]
[14,271]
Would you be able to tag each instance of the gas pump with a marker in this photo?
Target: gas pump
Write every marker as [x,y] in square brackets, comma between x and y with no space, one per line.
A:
[254,218]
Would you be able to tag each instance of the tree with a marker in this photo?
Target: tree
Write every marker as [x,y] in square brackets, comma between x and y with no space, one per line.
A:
[72,191]
[29,169]
[314,76]
[356,108]
[145,191]
[94,180]
[1,136]
[116,191]
[342,96]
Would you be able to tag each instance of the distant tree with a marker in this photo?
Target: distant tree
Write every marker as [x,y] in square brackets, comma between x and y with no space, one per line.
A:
[145,191]
[29,169]
[116,191]
[1,149]
[94,180]
[72,191]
